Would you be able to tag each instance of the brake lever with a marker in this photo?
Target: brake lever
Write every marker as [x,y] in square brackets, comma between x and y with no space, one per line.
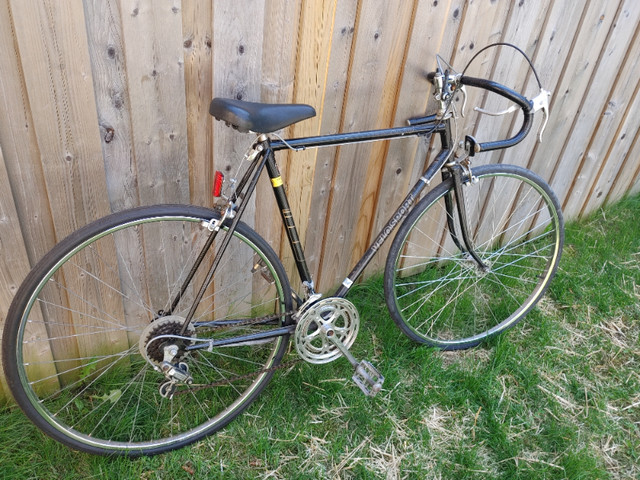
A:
[511,109]
[463,90]
[541,102]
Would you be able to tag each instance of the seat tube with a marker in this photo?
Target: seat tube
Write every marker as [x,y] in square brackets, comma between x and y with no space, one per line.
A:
[287,217]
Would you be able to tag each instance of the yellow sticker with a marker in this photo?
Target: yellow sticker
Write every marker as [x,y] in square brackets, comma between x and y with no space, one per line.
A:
[276,182]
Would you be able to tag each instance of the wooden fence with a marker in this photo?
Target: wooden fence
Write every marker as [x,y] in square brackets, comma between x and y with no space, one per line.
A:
[105,106]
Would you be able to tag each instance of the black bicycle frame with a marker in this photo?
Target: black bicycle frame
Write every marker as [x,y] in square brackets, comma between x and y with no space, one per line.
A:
[418,127]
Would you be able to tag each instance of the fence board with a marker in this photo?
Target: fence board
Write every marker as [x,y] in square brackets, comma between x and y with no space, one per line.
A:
[197,34]
[550,59]
[58,78]
[106,49]
[405,159]
[629,171]
[575,82]
[20,146]
[315,35]
[617,120]
[471,37]
[14,265]
[332,110]
[379,43]
[155,72]
[512,70]
[281,26]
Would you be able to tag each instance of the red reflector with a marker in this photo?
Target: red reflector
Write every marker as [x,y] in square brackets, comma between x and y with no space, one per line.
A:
[217,183]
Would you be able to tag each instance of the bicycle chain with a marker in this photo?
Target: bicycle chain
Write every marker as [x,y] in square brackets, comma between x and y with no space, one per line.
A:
[197,388]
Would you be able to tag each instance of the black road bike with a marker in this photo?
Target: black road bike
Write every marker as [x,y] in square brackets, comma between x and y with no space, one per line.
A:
[154,327]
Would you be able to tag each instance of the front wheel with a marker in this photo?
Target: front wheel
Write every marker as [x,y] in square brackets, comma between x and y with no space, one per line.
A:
[438,293]
[88,331]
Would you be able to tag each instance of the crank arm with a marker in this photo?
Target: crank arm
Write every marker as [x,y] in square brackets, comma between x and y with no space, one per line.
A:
[366,376]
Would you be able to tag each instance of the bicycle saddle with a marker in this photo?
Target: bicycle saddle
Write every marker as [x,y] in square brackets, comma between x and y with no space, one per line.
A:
[258,117]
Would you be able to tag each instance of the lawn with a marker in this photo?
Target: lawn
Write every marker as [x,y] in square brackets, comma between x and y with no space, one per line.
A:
[558,396]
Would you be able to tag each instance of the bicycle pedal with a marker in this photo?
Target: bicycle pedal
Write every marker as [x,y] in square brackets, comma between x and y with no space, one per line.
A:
[368,378]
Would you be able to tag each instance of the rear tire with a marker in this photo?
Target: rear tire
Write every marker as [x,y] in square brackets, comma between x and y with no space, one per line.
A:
[71,345]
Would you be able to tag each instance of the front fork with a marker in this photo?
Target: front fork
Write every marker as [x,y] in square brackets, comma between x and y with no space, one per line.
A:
[457,173]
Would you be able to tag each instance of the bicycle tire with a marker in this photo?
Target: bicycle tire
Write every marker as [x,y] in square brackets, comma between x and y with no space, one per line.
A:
[71,345]
[438,294]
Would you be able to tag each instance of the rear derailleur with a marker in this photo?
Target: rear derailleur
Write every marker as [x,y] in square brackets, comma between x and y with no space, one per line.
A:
[175,373]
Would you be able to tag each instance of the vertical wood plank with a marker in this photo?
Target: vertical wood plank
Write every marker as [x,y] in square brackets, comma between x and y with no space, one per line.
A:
[524,28]
[473,36]
[58,79]
[619,161]
[14,265]
[155,72]
[628,174]
[343,25]
[315,34]
[197,27]
[60,88]
[237,69]
[550,57]
[615,82]
[373,74]
[106,49]
[433,32]
[279,50]
[20,145]
[570,96]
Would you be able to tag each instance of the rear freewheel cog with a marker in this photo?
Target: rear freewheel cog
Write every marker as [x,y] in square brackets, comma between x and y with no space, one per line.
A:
[335,315]
[168,329]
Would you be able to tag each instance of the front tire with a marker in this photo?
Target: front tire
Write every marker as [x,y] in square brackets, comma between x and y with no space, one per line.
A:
[438,295]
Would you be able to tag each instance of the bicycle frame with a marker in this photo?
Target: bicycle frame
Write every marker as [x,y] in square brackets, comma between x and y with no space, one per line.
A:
[266,159]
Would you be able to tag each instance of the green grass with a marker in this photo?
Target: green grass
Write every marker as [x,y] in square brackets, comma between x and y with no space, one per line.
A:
[556,397]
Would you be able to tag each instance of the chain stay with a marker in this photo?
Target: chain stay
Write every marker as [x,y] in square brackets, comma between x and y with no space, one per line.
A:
[195,388]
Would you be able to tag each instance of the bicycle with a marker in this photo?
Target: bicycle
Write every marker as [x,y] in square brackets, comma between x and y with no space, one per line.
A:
[197,310]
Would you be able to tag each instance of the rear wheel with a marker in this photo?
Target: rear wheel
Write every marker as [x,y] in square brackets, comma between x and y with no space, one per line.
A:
[87,330]
[437,292]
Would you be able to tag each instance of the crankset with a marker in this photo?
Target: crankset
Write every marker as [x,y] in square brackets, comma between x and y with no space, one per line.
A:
[326,330]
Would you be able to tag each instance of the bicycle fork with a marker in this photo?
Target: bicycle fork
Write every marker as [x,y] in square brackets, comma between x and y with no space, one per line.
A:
[456,172]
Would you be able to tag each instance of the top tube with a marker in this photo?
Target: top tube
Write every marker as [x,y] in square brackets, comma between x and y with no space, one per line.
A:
[432,125]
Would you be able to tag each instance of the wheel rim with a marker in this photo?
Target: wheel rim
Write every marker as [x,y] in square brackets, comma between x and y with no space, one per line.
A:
[103,394]
[441,294]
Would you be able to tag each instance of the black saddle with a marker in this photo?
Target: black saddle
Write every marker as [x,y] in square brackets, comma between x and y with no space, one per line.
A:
[258,117]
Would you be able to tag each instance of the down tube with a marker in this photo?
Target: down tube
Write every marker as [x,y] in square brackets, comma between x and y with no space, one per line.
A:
[393,222]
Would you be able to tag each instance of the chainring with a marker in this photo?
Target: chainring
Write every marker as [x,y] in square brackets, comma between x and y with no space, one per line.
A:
[311,341]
